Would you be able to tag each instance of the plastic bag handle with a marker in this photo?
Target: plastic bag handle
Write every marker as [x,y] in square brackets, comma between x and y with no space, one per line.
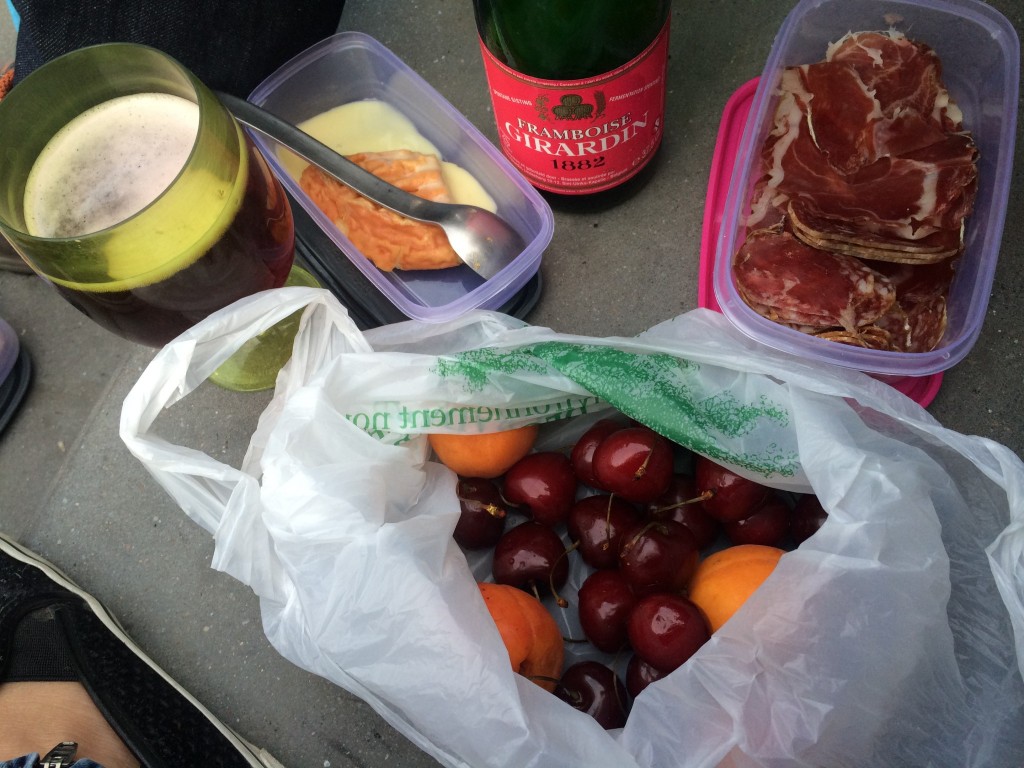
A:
[214,494]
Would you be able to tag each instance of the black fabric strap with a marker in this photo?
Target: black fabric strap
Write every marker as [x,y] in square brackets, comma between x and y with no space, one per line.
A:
[231,45]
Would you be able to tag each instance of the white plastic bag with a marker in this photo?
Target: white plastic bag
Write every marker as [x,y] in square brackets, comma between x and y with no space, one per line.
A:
[893,637]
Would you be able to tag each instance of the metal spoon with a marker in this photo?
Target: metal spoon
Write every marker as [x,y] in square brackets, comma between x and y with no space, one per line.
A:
[483,240]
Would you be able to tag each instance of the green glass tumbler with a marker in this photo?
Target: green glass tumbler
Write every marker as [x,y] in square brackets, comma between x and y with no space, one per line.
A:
[220,230]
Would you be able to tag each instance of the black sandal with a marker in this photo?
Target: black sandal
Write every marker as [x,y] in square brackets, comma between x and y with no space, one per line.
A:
[52,630]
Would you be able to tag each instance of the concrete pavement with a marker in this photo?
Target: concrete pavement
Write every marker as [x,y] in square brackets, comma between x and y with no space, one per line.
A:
[70,490]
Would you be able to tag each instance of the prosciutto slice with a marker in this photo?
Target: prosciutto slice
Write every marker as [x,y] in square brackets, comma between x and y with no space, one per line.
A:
[868,178]
[904,75]
[870,140]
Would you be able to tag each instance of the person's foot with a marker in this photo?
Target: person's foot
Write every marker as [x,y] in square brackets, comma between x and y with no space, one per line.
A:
[63,655]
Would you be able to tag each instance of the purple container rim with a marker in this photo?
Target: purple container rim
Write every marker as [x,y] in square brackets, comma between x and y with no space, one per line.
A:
[870,361]
[492,293]
[9,349]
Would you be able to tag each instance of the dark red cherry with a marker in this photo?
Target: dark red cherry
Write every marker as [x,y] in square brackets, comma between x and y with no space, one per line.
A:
[640,674]
[482,513]
[635,463]
[682,503]
[666,629]
[596,524]
[530,555]
[582,456]
[731,496]
[595,689]
[658,555]
[806,518]
[544,483]
[604,603]
[768,524]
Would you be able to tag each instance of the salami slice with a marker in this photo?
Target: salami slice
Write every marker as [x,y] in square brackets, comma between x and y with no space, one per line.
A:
[787,281]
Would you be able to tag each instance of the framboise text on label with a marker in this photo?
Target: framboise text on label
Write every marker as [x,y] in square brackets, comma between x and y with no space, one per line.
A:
[581,136]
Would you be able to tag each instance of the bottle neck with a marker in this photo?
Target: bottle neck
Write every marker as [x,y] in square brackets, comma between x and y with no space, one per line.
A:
[568,39]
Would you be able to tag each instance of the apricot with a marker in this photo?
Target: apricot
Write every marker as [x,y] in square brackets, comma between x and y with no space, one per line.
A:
[483,454]
[531,636]
[724,580]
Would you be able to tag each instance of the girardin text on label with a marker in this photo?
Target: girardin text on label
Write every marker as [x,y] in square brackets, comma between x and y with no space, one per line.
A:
[576,142]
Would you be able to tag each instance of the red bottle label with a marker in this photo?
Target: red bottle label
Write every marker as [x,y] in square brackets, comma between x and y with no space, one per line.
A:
[576,137]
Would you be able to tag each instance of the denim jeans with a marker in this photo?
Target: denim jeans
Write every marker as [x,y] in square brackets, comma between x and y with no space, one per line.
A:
[32,761]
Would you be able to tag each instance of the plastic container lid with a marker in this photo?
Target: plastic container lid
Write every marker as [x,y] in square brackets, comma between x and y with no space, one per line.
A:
[15,373]
[980,54]
[351,66]
[9,348]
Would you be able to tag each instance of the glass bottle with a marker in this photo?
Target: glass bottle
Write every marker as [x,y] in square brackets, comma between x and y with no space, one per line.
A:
[577,86]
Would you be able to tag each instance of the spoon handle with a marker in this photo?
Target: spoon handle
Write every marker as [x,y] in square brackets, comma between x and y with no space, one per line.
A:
[325,158]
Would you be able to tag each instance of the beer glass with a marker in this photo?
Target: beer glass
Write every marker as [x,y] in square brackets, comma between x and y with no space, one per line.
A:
[219,229]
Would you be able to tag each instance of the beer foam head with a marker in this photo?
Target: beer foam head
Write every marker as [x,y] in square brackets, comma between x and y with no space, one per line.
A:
[109,163]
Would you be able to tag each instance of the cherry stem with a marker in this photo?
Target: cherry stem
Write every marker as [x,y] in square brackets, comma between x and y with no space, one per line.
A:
[695,500]
[560,601]
[608,524]
[506,501]
[636,537]
[642,469]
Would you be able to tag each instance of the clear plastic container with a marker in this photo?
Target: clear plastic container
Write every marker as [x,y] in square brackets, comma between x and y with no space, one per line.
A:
[980,55]
[351,66]
[9,348]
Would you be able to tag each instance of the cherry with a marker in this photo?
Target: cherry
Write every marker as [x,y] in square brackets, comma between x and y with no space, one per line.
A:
[682,503]
[597,523]
[732,496]
[658,555]
[666,629]
[806,518]
[768,524]
[530,554]
[595,689]
[482,515]
[635,463]
[582,455]
[640,674]
[604,602]
[545,483]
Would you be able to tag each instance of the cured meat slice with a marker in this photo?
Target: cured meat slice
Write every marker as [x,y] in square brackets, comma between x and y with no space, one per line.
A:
[899,175]
[841,115]
[867,175]
[904,198]
[869,337]
[915,327]
[904,75]
[917,320]
[787,281]
[844,236]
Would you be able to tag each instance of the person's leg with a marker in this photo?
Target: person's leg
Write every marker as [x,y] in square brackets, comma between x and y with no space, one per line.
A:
[231,45]
[65,658]
[38,715]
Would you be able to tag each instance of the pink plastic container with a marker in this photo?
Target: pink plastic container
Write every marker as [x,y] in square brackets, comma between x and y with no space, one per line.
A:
[980,53]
